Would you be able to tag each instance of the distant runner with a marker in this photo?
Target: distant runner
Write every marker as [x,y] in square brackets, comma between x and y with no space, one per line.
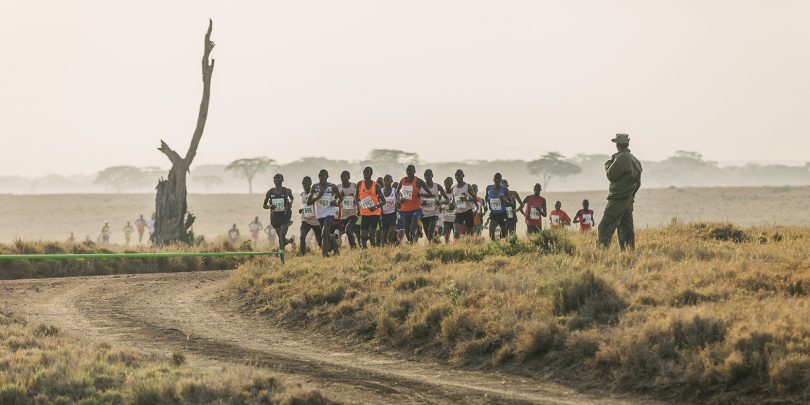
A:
[463,199]
[559,218]
[411,190]
[479,209]
[585,217]
[150,225]
[497,198]
[105,232]
[128,230]
[279,200]
[388,221]
[431,205]
[309,222]
[141,225]
[348,208]
[233,234]
[535,210]
[449,215]
[326,198]
[371,200]
[255,228]
[512,208]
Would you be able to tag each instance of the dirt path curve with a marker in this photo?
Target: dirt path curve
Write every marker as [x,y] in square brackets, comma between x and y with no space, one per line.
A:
[190,312]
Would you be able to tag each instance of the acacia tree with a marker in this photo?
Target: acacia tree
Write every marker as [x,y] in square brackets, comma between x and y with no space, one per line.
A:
[552,164]
[248,167]
[172,220]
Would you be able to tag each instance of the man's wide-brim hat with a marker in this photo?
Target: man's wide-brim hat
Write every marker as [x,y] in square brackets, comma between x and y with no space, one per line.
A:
[621,138]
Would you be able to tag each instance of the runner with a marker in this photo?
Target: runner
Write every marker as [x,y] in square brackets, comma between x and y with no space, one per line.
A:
[497,197]
[150,225]
[105,232]
[478,212]
[140,224]
[271,235]
[512,209]
[255,227]
[585,217]
[371,201]
[348,208]
[431,204]
[328,199]
[71,239]
[233,234]
[309,222]
[463,198]
[535,210]
[410,189]
[559,219]
[448,216]
[388,220]
[279,200]
[128,230]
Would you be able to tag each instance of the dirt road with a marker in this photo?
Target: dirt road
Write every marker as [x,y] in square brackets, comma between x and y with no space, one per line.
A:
[191,313]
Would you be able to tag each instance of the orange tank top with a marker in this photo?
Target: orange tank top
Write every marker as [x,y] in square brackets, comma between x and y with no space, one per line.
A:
[409,189]
[368,198]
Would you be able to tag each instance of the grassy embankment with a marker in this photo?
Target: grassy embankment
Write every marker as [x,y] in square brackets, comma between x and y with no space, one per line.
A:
[38,364]
[698,312]
[16,269]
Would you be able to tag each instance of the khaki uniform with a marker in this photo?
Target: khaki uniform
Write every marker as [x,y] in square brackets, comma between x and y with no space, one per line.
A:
[624,173]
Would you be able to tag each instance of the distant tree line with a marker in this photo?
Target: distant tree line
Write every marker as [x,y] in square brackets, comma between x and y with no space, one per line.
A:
[553,170]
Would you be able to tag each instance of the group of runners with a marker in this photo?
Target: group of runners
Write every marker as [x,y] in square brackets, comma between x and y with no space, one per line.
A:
[379,212]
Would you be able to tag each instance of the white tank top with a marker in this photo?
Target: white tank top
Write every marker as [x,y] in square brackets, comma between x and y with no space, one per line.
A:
[462,191]
[430,205]
[390,206]
[323,207]
[308,211]
[348,206]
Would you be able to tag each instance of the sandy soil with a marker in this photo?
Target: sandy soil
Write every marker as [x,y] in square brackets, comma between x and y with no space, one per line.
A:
[192,313]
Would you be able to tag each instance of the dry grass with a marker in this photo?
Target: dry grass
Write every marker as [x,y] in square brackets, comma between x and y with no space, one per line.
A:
[703,312]
[17,269]
[53,217]
[40,365]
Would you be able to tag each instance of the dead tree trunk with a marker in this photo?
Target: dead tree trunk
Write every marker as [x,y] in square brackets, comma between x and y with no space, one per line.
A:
[172,221]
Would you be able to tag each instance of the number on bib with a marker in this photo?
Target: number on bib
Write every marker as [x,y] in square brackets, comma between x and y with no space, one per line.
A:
[460,203]
[348,203]
[587,219]
[555,220]
[429,204]
[534,213]
[509,213]
[309,211]
[407,192]
[278,204]
[367,203]
[495,204]
[324,202]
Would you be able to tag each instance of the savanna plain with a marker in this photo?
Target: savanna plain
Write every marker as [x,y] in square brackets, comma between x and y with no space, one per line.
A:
[711,308]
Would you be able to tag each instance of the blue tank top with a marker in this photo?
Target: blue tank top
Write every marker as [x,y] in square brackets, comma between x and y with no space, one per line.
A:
[494,201]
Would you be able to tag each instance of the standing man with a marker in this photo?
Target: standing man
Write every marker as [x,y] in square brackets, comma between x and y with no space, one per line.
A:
[584,217]
[309,222]
[279,201]
[624,173]
[141,224]
[105,233]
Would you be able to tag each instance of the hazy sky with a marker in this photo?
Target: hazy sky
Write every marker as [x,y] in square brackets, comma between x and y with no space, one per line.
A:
[87,84]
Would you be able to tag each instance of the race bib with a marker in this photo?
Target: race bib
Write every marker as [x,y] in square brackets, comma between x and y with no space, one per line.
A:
[278,204]
[367,203]
[495,204]
[555,220]
[587,219]
[308,211]
[429,204]
[407,192]
[460,203]
[534,213]
[325,201]
[348,203]
[390,204]
[509,213]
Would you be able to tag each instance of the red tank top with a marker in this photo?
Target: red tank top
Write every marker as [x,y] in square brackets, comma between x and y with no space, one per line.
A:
[585,220]
[533,210]
[410,189]
[366,195]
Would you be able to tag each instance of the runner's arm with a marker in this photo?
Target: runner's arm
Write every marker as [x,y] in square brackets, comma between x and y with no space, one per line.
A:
[577,216]
[422,185]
